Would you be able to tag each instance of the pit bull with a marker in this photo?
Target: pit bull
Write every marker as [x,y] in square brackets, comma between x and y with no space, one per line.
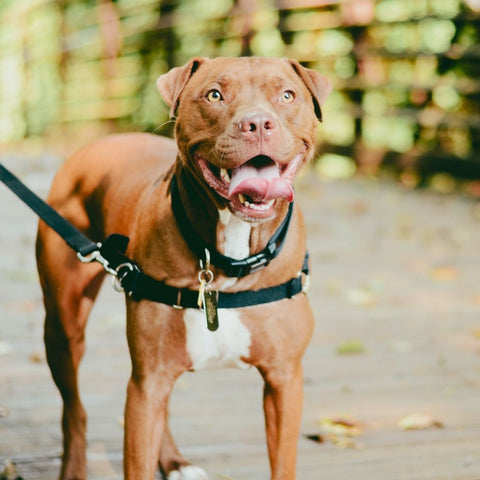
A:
[210,216]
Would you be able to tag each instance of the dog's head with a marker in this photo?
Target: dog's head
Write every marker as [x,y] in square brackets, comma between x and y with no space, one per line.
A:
[245,126]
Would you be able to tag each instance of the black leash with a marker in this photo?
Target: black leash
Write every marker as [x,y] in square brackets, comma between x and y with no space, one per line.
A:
[128,276]
[74,238]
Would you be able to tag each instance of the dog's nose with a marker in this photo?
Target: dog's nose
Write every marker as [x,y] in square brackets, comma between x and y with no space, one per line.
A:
[257,125]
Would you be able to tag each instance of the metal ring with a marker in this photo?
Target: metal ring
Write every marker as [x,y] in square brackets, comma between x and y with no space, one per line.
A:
[205,276]
[117,280]
[117,286]
[123,265]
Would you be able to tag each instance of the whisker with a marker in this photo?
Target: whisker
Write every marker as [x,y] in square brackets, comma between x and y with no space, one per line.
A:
[159,127]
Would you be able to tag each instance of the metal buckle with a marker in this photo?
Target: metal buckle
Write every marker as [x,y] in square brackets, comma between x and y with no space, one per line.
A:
[306,285]
[177,306]
[260,263]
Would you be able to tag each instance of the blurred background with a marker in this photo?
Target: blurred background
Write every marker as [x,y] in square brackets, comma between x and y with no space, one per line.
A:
[406,74]
[396,290]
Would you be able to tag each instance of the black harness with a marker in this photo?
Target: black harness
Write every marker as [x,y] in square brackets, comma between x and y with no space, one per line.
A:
[231,267]
[129,277]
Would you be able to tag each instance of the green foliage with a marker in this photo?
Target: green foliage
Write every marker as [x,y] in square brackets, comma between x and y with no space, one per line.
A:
[405,72]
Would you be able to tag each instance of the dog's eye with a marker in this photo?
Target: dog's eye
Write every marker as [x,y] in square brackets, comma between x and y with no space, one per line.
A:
[287,96]
[214,96]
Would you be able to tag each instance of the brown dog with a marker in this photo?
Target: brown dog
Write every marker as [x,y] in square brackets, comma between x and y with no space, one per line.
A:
[244,127]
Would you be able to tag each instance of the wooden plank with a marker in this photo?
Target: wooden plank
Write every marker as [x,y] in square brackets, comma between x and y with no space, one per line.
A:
[421,354]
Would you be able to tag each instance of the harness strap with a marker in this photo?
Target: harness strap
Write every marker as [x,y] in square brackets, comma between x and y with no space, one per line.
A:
[139,286]
[231,266]
[129,277]
[74,238]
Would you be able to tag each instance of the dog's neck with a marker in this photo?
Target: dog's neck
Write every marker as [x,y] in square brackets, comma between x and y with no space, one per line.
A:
[216,225]
[235,234]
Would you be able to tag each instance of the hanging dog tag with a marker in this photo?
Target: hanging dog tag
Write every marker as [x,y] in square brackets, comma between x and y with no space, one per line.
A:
[207,298]
[210,302]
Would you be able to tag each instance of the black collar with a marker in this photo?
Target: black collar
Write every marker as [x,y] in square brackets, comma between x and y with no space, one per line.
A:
[231,266]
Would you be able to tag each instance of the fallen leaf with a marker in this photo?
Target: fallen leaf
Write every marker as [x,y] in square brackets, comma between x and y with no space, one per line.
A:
[362,297]
[350,347]
[340,427]
[419,421]
[340,431]
[343,442]
[316,437]
[444,274]
[9,471]
[476,332]
[37,357]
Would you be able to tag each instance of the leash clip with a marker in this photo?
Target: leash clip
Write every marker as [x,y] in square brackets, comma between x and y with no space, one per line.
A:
[91,257]
[96,256]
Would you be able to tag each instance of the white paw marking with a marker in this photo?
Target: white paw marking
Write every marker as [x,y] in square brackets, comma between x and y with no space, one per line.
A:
[188,473]
[223,348]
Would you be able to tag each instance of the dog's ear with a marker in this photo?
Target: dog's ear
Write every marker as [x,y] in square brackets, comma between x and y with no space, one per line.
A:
[319,86]
[171,84]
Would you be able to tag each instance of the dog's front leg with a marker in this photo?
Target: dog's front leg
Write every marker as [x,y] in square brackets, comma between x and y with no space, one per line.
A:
[156,365]
[144,426]
[283,398]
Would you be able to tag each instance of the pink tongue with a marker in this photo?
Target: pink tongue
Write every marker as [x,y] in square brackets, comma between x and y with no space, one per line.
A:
[259,184]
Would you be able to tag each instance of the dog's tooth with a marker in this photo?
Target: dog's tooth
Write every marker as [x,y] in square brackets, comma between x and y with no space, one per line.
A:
[224,174]
[254,206]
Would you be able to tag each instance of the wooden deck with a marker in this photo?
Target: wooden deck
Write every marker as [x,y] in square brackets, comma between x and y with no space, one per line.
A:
[396,280]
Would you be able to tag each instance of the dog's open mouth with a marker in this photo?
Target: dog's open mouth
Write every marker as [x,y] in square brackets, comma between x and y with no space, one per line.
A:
[253,187]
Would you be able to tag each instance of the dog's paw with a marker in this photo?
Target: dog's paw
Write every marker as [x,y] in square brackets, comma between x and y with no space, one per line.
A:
[189,472]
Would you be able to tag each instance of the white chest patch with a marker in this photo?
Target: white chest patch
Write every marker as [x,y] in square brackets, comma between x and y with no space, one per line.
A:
[237,239]
[226,346]
[223,348]
[237,235]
